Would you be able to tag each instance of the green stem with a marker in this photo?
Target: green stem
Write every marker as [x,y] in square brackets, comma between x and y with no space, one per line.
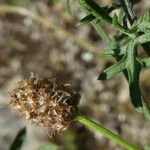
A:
[110,135]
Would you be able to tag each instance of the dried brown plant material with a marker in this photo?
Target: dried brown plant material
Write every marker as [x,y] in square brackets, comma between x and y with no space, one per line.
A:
[45,102]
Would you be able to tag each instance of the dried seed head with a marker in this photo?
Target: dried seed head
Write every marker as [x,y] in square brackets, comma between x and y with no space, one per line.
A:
[50,104]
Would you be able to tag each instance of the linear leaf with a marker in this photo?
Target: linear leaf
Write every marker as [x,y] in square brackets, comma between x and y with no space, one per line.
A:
[127,7]
[91,17]
[109,53]
[133,71]
[96,10]
[113,70]
[143,38]
[111,8]
[143,27]
[86,19]
[17,143]
[144,18]
[112,53]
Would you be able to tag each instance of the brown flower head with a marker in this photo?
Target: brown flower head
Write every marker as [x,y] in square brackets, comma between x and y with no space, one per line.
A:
[45,102]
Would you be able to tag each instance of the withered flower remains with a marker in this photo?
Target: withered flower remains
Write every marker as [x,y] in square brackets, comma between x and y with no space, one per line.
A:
[45,102]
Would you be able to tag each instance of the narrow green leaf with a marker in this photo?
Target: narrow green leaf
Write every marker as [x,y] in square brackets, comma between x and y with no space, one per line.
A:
[143,38]
[124,45]
[17,143]
[91,17]
[133,73]
[113,70]
[101,32]
[143,27]
[112,53]
[93,8]
[86,19]
[111,8]
[144,18]
[109,53]
[127,7]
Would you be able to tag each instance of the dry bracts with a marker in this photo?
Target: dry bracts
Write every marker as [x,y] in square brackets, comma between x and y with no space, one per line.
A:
[45,102]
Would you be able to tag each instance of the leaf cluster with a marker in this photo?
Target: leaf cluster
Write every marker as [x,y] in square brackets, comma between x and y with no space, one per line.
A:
[132,33]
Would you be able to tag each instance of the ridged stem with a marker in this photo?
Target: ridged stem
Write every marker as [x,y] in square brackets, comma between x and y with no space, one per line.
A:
[107,133]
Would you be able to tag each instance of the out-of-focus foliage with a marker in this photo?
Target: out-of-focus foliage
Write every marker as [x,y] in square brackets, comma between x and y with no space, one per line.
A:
[48,147]
[68,7]
[55,1]
[19,140]
[147,147]
[19,2]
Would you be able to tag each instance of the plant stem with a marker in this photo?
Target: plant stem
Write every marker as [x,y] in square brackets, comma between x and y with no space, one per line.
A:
[110,135]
